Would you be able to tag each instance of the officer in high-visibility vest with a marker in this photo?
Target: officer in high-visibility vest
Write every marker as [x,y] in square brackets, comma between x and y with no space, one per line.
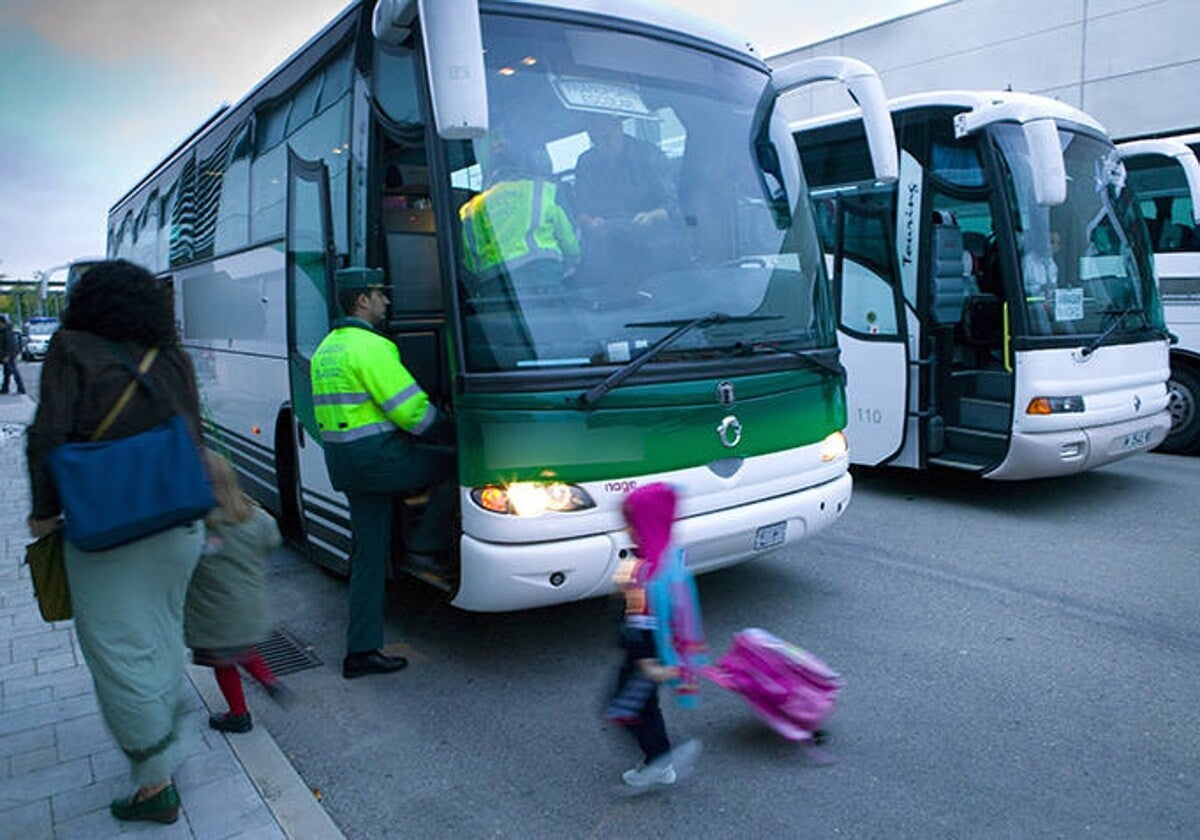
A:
[516,225]
[376,425]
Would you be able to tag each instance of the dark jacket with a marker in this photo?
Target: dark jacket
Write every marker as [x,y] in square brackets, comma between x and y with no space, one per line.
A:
[10,342]
[82,378]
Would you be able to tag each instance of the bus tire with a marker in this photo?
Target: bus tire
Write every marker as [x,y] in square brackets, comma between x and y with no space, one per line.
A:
[1183,401]
[287,481]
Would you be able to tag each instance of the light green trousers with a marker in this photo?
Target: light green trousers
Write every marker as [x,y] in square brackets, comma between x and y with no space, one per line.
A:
[128,604]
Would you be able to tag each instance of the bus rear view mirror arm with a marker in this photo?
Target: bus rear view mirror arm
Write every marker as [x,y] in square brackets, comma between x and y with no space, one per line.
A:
[454,59]
[864,87]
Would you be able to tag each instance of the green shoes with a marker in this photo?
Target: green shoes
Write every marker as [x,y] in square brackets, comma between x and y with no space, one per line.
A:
[163,807]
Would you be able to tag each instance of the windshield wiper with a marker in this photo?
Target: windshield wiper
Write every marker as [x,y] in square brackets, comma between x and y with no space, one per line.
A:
[1118,320]
[591,395]
[827,359]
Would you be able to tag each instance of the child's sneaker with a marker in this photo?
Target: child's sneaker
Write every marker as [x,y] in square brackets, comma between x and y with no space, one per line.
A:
[649,774]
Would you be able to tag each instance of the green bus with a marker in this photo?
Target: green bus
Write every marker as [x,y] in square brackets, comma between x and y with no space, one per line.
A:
[700,350]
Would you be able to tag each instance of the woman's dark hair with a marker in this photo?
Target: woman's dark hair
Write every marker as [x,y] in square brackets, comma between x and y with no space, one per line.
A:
[122,301]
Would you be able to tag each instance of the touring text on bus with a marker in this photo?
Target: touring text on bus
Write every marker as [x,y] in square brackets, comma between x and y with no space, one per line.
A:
[696,345]
[997,307]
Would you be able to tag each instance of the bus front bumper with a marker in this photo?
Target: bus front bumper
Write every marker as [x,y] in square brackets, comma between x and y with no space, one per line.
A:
[497,577]
[1047,454]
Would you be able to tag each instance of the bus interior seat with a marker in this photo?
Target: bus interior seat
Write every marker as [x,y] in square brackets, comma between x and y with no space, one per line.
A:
[975,245]
[1176,237]
[948,286]
[982,324]
[983,320]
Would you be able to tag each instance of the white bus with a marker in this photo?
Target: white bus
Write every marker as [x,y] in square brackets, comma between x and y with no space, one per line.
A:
[1165,177]
[997,307]
[703,353]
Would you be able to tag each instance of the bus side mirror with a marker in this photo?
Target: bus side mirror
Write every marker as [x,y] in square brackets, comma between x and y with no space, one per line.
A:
[1046,159]
[865,88]
[453,55]
[392,21]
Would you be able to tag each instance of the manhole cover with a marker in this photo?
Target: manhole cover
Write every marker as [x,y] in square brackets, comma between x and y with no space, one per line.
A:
[286,654]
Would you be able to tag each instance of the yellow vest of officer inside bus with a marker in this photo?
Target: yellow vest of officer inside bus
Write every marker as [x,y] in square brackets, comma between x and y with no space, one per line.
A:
[361,389]
[513,223]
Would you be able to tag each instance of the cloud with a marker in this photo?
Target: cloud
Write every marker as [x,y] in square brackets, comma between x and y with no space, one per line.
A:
[228,43]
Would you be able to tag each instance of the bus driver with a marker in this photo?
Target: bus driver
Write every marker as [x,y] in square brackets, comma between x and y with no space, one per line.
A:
[377,425]
[625,198]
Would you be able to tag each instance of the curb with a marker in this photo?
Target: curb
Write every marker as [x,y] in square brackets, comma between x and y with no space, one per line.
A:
[286,795]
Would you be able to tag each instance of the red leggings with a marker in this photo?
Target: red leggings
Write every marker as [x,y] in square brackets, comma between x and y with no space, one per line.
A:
[231,683]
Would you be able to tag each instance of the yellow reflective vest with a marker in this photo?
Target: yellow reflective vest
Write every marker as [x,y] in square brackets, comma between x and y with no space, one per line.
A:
[515,222]
[361,389]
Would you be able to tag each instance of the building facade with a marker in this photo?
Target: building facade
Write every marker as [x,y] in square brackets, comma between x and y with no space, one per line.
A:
[1134,65]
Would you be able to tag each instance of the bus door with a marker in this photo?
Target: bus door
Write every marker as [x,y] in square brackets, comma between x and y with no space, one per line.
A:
[312,305]
[963,310]
[872,333]
[408,248]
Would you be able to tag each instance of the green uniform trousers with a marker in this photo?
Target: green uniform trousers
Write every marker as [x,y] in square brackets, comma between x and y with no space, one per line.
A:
[370,473]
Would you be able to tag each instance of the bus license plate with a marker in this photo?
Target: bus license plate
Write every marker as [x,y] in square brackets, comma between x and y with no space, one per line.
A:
[1134,440]
[769,536]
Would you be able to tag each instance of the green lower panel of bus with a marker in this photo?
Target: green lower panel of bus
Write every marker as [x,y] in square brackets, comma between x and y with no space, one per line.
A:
[643,429]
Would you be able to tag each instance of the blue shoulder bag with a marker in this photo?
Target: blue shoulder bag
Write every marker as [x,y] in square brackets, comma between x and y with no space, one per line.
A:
[116,491]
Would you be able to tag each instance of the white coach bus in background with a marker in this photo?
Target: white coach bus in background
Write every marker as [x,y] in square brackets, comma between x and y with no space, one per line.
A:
[1165,177]
[997,306]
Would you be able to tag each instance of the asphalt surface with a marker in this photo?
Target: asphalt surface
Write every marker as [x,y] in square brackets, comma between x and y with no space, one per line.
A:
[1021,660]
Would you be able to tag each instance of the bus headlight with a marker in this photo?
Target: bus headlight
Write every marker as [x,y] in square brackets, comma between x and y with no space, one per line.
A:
[531,498]
[834,447]
[1055,405]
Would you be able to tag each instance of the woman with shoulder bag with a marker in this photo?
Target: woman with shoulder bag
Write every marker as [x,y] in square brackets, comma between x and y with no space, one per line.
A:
[129,599]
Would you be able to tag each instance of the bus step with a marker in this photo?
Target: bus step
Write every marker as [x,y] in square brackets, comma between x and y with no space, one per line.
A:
[962,441]
[434,579]
[962,461]
[984,414]
[986,384]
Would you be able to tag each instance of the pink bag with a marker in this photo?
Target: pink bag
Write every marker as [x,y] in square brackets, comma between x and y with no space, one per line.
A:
[791,689]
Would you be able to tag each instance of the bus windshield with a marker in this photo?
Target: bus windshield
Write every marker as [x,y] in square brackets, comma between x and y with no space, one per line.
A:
[1085,264]
[628,185]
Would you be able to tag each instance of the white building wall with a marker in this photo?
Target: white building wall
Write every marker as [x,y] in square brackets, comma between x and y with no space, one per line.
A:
[1132,64]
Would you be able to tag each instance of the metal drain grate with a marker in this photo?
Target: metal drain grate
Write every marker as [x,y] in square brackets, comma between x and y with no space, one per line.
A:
[286,654]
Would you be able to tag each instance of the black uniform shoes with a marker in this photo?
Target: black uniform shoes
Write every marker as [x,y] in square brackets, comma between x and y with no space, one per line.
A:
[371,662]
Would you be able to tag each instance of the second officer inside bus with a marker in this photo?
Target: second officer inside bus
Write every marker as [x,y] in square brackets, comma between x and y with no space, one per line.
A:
[378,428]
[516,226]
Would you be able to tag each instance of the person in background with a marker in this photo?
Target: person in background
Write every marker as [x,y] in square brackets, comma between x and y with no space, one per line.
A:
[10,349]
[227,613]
[379,432]
[128,601]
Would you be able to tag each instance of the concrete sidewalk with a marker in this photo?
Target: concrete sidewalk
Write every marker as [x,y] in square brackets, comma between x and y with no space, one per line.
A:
[59,767]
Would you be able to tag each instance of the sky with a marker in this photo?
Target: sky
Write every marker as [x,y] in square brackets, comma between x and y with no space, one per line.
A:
[93,93]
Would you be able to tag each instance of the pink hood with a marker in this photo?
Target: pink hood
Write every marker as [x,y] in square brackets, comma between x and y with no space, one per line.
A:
[650,511]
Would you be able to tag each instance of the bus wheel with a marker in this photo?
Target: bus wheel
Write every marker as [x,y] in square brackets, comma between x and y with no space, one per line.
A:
[1183,401]
[287,479]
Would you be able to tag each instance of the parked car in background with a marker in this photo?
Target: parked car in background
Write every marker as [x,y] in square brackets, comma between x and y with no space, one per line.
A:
[37,337]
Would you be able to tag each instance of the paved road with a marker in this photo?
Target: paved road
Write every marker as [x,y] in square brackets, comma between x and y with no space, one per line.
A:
[1022,661]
